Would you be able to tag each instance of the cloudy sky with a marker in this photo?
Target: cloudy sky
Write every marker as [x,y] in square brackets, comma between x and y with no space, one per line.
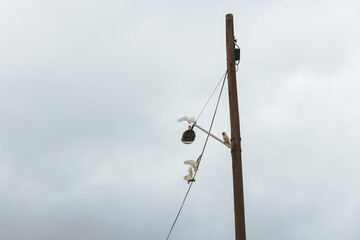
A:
[90,94]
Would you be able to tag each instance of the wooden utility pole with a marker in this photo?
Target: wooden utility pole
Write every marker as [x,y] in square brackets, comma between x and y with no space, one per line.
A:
[235,132]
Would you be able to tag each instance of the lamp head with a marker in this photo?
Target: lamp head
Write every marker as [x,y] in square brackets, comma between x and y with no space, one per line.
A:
[188,136]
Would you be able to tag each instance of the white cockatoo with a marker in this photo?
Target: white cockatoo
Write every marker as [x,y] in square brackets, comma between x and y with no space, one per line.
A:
[190,120]
[194,164]
[226,138]
[190,177]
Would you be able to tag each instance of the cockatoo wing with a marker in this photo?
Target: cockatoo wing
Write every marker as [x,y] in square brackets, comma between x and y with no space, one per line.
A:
[188,119]
[190,162]
[198,161]
[190,172]
[190,175]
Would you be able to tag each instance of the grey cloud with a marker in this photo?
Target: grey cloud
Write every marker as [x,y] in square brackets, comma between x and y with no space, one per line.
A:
[89,97]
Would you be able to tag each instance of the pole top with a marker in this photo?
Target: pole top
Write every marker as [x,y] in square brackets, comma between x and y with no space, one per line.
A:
[229,15]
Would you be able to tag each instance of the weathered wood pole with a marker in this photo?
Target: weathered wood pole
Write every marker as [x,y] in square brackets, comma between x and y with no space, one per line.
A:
[235,132]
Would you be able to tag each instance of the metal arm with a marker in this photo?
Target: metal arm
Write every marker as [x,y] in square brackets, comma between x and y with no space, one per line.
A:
[228,145]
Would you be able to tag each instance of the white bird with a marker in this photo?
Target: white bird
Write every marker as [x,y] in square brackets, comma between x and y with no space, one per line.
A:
[226,138]
[194,164]
[190,177]
[188,119]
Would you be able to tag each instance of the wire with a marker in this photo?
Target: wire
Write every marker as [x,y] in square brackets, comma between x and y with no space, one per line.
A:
[212,121]
[223,76]
[182,204]
[202,153]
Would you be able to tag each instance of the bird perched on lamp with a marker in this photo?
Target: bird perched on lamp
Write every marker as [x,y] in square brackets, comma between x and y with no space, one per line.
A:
[226,138]
[190,120]
[194,164]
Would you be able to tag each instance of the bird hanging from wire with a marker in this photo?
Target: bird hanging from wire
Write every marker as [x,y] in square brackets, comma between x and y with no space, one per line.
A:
[226,138]
[190,120]
[194,164]
[189,177]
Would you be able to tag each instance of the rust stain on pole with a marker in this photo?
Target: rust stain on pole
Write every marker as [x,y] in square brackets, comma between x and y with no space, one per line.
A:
[235,133]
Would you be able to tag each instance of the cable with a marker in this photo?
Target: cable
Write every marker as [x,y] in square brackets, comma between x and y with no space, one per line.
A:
[202,153]
[223,76]
[182,204]
[212,121]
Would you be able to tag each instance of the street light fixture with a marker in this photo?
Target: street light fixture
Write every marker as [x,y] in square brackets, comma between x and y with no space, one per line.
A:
[189,135]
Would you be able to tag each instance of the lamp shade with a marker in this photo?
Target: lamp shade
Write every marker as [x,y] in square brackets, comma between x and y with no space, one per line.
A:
[188,136]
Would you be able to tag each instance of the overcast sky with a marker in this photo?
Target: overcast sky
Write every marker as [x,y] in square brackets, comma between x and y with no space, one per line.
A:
[90,94]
